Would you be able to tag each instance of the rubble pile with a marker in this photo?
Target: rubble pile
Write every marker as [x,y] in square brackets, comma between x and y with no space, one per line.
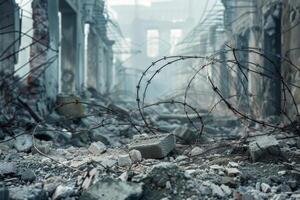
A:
[102,156]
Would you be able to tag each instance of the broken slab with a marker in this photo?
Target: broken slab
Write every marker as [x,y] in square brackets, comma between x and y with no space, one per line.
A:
[70,106]
[97,148]
[264,147]
[124,160]
[109,188]
[157,146]
[185,134]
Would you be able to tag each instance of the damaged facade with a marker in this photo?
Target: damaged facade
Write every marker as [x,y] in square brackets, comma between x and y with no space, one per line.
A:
[70,49]
[230,130]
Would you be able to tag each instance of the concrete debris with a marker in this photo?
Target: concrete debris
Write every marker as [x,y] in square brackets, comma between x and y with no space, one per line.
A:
[8,168]
[158,146]
[51,184]
[23,143]
[186,135]
[97,148]
[62,192]
[25,192]
[108,188]
[232,171]
[135,156]
[265,187]
[264,147]
[196,151]
[217,190]
[28,176]
[124,160]
[70,106]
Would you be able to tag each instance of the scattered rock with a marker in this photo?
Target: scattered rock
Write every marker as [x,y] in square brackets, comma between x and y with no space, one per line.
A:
[62,192]
[8,168]
[23,143]
[135,156]
[226,189]
[264,147]
[109,188]
[124,160]
[196,151]
[27,175]
[186,135]
[43,146]
[265,188]
[157,146]
[217,191]
[232,171]
[51,184]
[97,148]
[27,193]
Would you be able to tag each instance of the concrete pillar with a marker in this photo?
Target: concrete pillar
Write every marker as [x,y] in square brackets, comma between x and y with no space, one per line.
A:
[92,59]
[272,65]
[68,47]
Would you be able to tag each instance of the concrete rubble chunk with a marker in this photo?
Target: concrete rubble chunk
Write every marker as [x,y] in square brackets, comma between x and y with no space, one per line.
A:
[97,148]
[23,143]
[8,168]
[265,187]
[62,192]
[28,176]
[217,190]
[264,147]
[157,146]
[27,192]
[196,151]
[109,188]
[124,160]
[232,171]
[135,156]
[226,189]
[186,135]
[70,106]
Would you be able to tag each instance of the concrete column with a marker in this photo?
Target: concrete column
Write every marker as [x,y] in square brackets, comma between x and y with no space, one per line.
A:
[92,56]
[39,50]
[68,47]
[272,65]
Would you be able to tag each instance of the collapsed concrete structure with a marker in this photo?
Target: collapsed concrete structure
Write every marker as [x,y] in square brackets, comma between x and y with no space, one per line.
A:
[70,49]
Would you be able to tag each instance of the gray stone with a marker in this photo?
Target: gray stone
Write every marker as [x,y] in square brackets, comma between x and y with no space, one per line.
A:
[51,184]
[186,135]
[217,190]
[157,146]
[264,147]
[109,188]
[285,188]
[62,192]
[28,176]
[124,160]
[135,156]
[8,168]
[23,143]
[226,189]
[42,146]
[265,188]
[196,151]
[97,148]
[27,193]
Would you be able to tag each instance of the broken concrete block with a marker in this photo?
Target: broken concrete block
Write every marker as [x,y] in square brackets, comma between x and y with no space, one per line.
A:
[124,160]
[157,146]
[62,192]
[185,134]
[232,171]
[196,151]
[23,143]
[265,187]
[8,168]
[135,156]
[97,148]
[264,147]
[109,188]
[70,106]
